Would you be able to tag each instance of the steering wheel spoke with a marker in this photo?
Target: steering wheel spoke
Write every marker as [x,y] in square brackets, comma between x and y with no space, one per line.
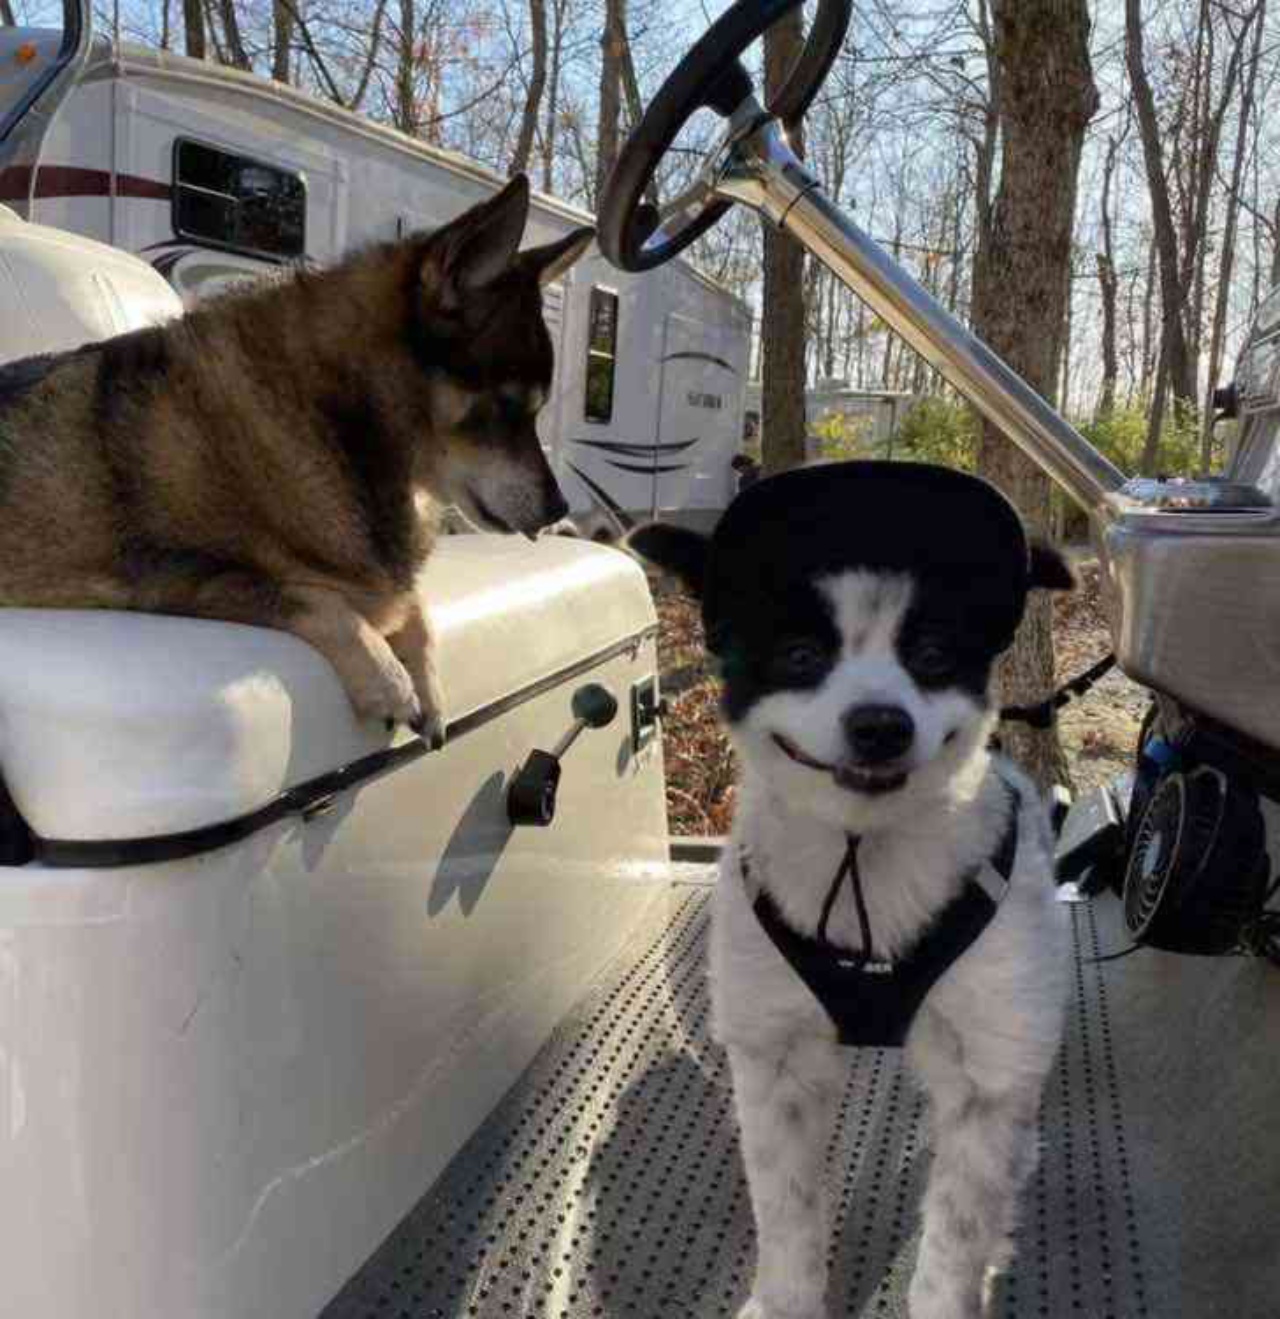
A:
[730,89]
[634,234]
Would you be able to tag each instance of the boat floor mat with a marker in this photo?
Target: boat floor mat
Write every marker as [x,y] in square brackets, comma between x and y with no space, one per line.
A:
[608,1183]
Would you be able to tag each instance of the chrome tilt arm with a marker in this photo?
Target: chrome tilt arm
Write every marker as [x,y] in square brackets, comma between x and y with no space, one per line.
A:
[760,169]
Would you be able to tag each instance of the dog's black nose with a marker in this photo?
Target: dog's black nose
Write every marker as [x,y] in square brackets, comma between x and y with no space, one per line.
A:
[878,733]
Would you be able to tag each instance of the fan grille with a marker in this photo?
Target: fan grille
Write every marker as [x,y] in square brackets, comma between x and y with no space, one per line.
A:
[1155,850]
[1197,871]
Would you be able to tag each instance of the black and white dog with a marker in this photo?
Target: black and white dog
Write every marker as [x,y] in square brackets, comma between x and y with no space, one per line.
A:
[889,880]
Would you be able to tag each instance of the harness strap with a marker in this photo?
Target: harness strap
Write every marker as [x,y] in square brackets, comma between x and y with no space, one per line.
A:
[1041,714]
[874,1002]
[849,866]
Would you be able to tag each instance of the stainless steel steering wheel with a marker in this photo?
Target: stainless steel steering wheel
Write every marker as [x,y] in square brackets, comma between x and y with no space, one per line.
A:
[755,165]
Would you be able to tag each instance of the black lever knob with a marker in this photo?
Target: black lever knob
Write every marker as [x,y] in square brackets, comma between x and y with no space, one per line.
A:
[531,796]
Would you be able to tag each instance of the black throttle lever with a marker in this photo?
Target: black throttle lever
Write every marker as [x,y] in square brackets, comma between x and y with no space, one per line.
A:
[531,796]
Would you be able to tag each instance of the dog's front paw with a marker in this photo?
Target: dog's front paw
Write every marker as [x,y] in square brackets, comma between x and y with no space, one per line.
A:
[756,1308]
[383,690]
[430,728]
[938,1300]
[431,723]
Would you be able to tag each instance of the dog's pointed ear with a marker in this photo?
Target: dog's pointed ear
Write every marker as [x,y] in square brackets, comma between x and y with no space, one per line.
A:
[479,245]
[550,262]
[1049,570]
[676,550]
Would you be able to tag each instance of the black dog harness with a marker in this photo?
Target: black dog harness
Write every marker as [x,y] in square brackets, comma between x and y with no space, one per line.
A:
[873,1001]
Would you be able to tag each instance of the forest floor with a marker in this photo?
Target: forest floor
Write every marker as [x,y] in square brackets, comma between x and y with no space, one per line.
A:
[1098,731]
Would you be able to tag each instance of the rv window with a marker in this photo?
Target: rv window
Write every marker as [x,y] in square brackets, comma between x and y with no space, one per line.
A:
[231,201]
[602,343]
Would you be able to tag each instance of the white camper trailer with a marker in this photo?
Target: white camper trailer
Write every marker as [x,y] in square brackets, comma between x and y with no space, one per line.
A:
[214,176]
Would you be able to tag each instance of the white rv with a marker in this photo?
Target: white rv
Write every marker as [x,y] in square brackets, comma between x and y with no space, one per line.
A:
[214,176]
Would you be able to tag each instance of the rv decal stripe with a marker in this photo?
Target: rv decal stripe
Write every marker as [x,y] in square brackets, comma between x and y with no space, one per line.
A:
[604,499]
[636,450]
[72,181]
[701,357]
[652,467]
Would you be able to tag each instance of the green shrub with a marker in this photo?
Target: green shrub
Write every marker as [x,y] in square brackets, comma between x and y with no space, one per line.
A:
[838,436]
[1121,435]
[938,430]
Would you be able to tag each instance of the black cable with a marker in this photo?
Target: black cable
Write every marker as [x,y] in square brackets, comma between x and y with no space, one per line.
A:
[1040,715]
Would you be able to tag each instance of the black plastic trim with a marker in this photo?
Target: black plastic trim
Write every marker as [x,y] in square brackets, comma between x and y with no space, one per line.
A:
[312,797]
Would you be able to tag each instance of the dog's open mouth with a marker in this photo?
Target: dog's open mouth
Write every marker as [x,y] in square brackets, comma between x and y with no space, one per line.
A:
[856,778]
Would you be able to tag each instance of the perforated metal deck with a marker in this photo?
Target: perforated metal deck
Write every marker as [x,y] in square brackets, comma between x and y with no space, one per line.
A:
[608,1181]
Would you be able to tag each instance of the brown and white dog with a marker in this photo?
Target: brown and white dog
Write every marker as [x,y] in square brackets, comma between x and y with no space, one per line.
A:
[282,456]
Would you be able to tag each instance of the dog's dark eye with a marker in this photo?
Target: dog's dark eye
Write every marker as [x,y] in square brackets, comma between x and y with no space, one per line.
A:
[801,660]
[930,659]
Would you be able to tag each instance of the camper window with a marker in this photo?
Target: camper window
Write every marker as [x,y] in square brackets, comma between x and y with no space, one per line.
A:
[602,342]
[234,202]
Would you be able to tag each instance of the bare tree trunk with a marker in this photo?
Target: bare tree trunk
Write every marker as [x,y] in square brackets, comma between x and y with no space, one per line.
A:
[1177,361]
[193,22]
[1064,387]
[1047,98]
[166,21]
[613,43]
[985,148]
[371,57]
[1218,334]
[405,112]
[1108,285]
[782,329]
[1150,349]
[211,32]
[236,54]
[282,41]
[1273,274]
[6,14]
[537,81]
[1151,444]
[317,60]
[553,99]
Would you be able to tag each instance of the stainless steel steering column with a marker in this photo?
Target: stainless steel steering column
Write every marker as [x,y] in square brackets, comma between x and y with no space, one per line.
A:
[759,168]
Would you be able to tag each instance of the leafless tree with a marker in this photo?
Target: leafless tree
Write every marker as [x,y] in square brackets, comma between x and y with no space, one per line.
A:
[236,54]
[1108,280]
[559,17]
[782,403]
[193,27]
[282,41]
[1227,263]
[1194,139]
[537,83]
[1047,97]
[613,45]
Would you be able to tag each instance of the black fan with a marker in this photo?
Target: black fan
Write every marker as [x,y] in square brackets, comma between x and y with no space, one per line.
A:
[1197,870]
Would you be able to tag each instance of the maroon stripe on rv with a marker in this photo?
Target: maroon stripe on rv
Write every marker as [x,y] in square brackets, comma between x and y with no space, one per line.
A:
[71,181]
